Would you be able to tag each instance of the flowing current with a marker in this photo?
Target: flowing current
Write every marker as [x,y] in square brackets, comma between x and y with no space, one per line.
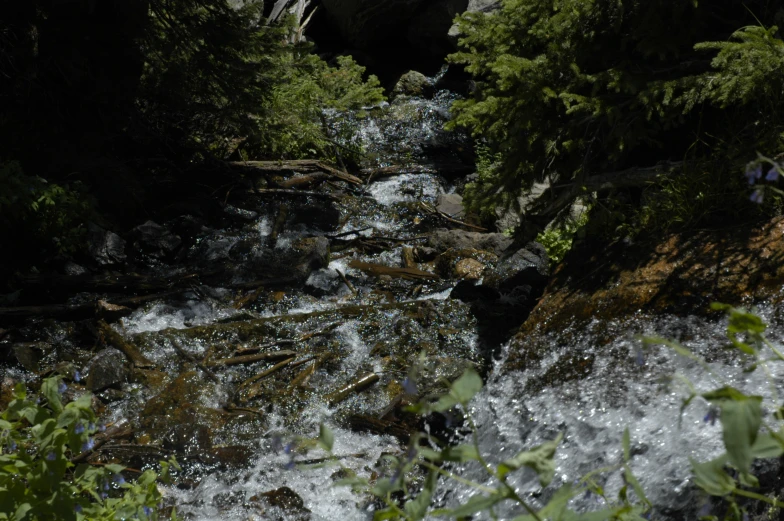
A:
[593,382]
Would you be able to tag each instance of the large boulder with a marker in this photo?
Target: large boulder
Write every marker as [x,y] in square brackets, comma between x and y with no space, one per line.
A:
[155,240]
[443,240]
[107,369]
[507,293]
[422,24]
[474,6]
[104,246]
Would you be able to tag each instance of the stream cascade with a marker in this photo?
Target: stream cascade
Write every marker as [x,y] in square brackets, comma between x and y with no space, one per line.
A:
[339,293]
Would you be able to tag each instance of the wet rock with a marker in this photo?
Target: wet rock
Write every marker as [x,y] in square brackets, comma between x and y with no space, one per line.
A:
[73,269]
[188,438]
[465,264]
[451,204]
[241,213]
[309,254]
[234,456]
[421,24]
[528,266]
[284,497]
[412,83]
[474,6]
[112,312]
[324,216]
[443,240]
[155,240]
[508,292]
[287,500]
[469,269]
[111,395]
[105,247]
[680,275]
[425,253]
[30,354]
[107,369]
[7,386]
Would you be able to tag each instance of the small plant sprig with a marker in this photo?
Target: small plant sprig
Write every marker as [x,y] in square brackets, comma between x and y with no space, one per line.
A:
[405,498]
[754,170]
[39,439]
[745,433]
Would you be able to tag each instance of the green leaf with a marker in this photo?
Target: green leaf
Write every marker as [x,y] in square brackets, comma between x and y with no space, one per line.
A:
[457,453]
[478,503]
[632,480]
[741,417]
[540,459]
[417,508]
[557,508]
[626,445]
[466,387]
[114,468]
[50,390]
[711,477]
[326,438]
[766,446]
[68,417]
[21,512]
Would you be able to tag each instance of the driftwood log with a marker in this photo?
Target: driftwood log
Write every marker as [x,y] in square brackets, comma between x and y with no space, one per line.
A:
[301,165]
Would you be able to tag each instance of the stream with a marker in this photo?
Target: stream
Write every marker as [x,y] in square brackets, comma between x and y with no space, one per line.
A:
[336,347]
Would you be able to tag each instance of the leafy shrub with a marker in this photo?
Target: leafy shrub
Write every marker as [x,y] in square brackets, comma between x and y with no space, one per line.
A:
[48,216]
[40,437]
[291,123]
[573,89]
[557,240]
[216,74]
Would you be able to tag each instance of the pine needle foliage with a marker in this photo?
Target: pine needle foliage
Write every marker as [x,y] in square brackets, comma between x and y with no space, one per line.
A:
[216,74]
[572,88]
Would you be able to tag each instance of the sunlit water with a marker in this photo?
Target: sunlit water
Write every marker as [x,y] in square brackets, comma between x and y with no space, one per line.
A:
[628,386]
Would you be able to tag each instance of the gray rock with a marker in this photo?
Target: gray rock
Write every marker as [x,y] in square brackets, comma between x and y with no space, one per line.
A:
[412,83]
[30,354]
[106,369]
[104,246]
[474,6]
[254,260]
[451,204]
[73,269]
[188,439]
[155,239]
[528,266]
[443,240]
[374,23]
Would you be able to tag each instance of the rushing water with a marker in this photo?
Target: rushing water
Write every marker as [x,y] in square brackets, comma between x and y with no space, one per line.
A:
[627,385]
[632,386]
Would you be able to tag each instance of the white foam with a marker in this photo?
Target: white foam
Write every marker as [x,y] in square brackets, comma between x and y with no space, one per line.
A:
[514,414]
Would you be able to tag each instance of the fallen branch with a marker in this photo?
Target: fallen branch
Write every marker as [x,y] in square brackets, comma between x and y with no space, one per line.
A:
[401,273]
[451,219]
[356,386]
[291,192]
[78,311]
[254,350]
[115,339]
[303,181]
[102,439]
[249,359]
[300,165]
[187,356]
[251,387]
[550,206]
[347,282]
